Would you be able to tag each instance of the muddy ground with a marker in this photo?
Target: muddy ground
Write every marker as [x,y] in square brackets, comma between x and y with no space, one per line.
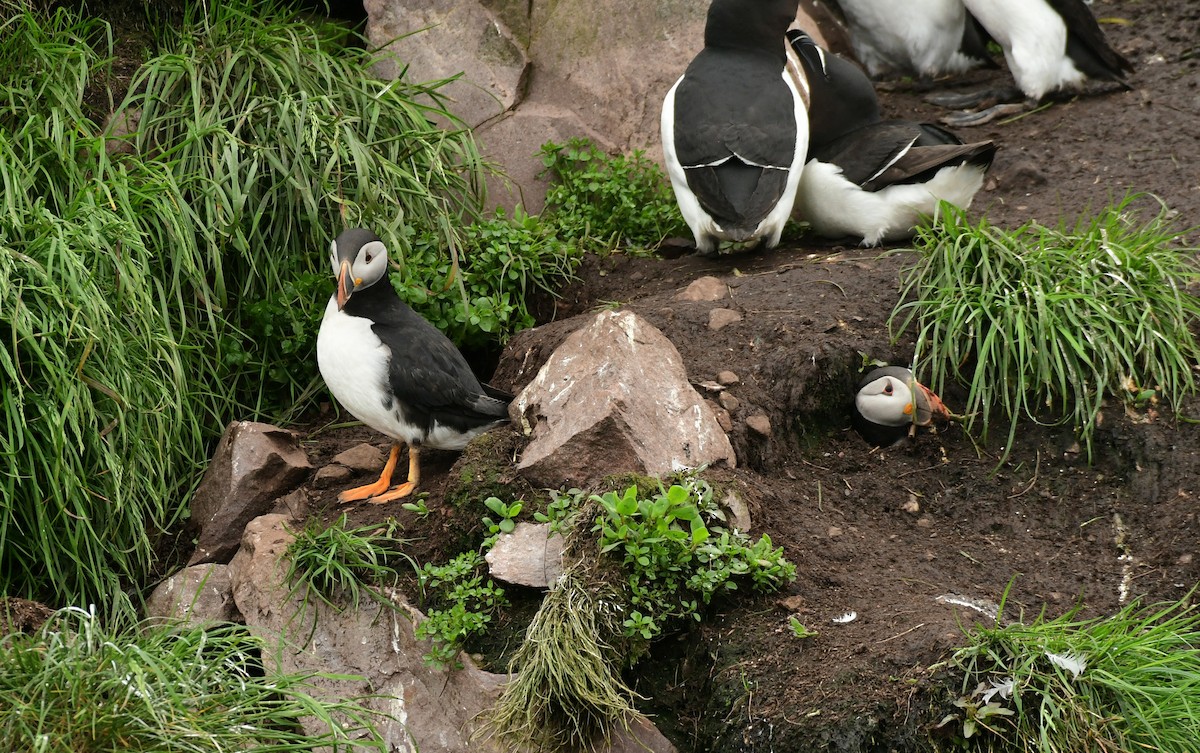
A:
[885,533]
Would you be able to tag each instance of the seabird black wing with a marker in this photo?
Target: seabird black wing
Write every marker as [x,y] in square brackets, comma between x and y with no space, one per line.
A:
[735,133]
[1087,46]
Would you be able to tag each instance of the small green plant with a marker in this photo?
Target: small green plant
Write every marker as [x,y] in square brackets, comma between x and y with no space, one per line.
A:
[78,684]
[674,561]
[1049,322]
[420,505]
[504,261]
[1128,682]
[560,508]
[799,629]
[639,624]
[506,518]
[609,201]
[336,563]
[459,603]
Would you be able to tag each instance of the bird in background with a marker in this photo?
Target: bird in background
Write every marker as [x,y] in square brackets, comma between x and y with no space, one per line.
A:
[870,179]
[927,38]
[1050,46]
[734,128]
[393,370]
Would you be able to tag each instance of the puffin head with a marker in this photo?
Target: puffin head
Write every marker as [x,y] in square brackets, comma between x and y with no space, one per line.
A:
[359,260]
[890,403]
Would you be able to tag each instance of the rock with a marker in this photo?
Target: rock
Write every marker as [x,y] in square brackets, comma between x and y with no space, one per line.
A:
[438,39]
[120,131]
[729,402]
[722,318]
[529,556]
[515,139]
[706,288]
[370,654]
[254,464]
[737,512]
[196,594]
[724,420]
[331,475]
[728,378]
[362,457]
[613,398]
[760,424]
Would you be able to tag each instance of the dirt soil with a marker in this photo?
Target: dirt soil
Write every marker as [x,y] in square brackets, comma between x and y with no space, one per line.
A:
[885,533]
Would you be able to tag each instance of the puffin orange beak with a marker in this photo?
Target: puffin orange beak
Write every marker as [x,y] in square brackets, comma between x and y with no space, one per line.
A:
[345,285]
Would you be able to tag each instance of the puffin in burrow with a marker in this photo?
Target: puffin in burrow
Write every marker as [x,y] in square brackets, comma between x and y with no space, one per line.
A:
[1050,46]
[891,405]
[929,38]
[734,128]
[868,178]
[393,370]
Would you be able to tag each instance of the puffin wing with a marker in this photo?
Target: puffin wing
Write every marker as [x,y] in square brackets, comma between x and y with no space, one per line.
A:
[865,153]
[430,375]
[920,163]
[1087,45]
[841,96]
[735,133]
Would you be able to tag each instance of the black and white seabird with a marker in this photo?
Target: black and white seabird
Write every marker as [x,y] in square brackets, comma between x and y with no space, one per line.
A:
[891,404]
[868,178]
[734,128]
[393,370]
[1050,46]
[929,38]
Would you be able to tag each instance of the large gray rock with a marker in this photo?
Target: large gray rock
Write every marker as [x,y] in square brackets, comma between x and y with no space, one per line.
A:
[438,39]
[613,398]
[254,465]
[196,594]
[430,709]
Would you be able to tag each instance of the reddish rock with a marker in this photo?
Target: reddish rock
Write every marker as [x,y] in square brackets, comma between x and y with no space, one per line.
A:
[254,465]
[614,398]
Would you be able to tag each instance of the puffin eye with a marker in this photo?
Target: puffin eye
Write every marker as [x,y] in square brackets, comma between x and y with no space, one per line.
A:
[368,258]
[887,388]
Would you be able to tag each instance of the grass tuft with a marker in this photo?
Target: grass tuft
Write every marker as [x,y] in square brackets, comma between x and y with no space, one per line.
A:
[566,691]
[75,685]
[150,296]
[1129,682]
[339,564]
[1046,323]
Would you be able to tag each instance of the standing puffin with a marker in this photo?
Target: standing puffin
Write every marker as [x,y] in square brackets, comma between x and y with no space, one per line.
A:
[734,127]
[1050,45]
[891,404]
[393,370]
[868,178]
[927,37]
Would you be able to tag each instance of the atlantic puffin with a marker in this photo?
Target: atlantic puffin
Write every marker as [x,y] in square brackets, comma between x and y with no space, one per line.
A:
[891,404]
[393,370]
[734,128]
[872,179]
[929,38]
[1050,46]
